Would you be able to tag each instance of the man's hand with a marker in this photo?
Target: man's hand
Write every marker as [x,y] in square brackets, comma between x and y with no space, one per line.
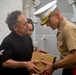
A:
[48,70]
[31,67]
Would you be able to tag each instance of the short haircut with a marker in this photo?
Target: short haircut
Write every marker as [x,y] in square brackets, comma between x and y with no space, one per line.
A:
[12,19]
[31,22]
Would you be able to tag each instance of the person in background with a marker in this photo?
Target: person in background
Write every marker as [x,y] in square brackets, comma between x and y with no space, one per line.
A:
[1,53]
[31,26]
[31,29]
[66,39]
[18,47]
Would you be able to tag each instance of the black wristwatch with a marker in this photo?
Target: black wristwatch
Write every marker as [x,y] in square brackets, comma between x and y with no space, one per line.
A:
[54,66]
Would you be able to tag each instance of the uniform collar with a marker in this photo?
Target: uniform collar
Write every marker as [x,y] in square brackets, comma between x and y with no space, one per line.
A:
[62,24]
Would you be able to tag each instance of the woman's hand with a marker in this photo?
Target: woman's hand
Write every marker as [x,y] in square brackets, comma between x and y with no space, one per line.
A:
[42,51]
[1,53]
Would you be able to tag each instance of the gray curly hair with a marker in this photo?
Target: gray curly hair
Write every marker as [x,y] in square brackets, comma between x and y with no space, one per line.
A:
[12,19]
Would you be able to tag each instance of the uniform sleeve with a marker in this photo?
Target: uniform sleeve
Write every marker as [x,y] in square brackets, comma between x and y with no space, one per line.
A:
[70,37]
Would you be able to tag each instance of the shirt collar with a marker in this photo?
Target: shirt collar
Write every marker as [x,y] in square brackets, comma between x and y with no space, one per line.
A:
[62,24]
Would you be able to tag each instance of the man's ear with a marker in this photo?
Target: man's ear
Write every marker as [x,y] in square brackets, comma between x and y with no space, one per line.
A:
[15,28]
[57,14]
